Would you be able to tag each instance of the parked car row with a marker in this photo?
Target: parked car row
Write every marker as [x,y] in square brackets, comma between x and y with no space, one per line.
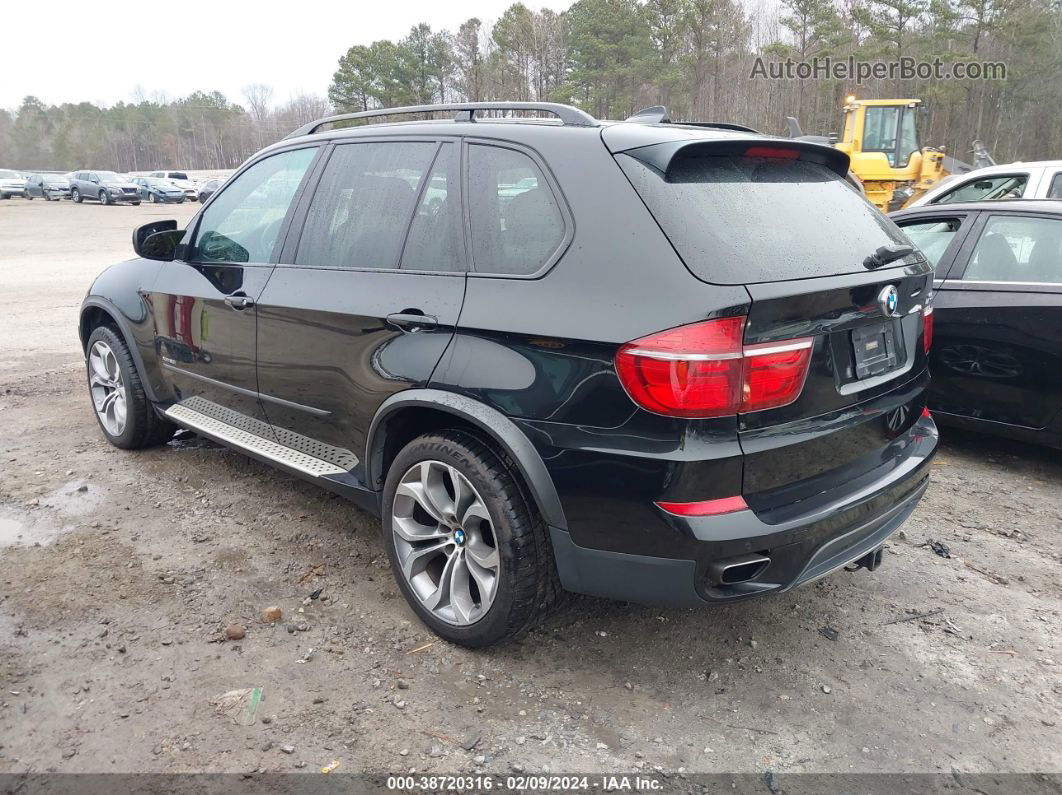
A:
[107,187]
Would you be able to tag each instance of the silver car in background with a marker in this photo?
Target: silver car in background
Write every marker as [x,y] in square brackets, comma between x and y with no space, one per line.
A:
[107,187]
[11,184]
[48,186]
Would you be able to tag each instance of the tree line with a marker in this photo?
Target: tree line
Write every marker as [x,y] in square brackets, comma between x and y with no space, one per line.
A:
[200,131]
[612,57]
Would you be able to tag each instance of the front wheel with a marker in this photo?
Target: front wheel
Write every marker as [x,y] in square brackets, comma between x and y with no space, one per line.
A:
[75,194]
[123,411]
[104,197]
[154,198]
[467,547]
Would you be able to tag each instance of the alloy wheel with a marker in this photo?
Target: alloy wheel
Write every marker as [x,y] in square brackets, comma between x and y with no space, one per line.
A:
[107,388]
[445,541]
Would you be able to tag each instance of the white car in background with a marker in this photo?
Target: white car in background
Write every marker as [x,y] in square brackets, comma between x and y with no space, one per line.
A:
[11,184]
[1038,180]
[181,180]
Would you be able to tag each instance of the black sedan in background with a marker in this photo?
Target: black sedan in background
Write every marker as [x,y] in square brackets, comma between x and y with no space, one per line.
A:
[48,186]
[997,351]
[159,191]
[208,188]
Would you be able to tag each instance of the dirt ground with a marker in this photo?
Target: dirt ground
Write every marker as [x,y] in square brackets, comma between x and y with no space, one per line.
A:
[119,572]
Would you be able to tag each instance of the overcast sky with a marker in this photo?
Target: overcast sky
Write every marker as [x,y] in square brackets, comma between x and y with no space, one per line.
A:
[72,50]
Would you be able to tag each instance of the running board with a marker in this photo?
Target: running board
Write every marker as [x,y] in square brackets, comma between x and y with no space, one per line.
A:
[251,443]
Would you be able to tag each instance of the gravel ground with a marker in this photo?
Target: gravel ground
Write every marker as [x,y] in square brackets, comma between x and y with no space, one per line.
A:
[119,573]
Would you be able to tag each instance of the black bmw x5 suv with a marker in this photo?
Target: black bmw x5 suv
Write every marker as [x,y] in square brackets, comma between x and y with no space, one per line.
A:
[668,363]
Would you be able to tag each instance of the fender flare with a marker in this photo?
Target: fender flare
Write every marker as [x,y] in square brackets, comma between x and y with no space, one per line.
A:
[98,302]
[499,427]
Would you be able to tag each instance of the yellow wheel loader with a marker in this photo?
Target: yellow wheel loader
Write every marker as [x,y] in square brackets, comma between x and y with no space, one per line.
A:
[881,138]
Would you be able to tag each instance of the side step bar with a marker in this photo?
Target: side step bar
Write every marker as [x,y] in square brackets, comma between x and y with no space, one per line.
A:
[251,443]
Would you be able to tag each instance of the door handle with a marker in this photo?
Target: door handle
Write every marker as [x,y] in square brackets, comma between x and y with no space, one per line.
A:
[412,320]
[238,302]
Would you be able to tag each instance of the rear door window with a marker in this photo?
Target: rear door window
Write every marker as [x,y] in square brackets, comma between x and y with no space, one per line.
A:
[1003,186]
[516,222]
[743,220]
[1017,249]
[1055,191]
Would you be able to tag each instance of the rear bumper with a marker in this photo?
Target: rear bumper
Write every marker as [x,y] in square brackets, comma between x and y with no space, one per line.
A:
[801,548]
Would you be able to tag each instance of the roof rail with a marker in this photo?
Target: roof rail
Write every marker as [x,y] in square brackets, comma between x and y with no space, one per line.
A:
[657,114]
[464,111]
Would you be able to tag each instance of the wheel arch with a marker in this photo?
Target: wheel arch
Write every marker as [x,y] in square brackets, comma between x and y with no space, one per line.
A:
[97,311]
[418,410]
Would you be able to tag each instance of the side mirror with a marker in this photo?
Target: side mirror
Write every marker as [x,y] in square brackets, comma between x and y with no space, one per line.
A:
[157,240]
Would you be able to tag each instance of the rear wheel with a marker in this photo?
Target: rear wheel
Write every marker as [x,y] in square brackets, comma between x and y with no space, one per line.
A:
[123,411]
[467,547]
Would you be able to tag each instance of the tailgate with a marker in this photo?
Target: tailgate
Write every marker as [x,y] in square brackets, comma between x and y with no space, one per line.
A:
[865,384]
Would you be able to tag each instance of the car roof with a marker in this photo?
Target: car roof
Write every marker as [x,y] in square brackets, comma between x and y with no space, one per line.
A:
[503,128]
[1049,206]
[1004,168]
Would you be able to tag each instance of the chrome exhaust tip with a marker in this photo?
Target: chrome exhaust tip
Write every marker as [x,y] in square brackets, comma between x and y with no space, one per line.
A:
[739,569]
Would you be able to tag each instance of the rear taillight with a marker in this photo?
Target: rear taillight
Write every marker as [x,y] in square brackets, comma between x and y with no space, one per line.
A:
[927,328]
[703,370]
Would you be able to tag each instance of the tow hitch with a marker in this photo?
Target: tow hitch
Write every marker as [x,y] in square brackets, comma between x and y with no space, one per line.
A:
[869,561]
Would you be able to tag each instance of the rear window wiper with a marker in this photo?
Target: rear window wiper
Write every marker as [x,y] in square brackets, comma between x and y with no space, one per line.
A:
[886,254]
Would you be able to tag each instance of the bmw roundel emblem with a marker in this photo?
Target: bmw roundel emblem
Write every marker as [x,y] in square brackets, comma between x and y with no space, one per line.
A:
[889,301]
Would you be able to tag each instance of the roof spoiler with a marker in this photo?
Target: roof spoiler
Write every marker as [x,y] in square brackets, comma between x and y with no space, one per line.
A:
[662,155]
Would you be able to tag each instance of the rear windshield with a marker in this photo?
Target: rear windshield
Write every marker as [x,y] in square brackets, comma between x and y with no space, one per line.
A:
[178,175]
[743,220]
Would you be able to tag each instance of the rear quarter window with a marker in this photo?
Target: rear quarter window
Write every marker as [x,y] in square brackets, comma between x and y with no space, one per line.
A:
[516,222]
[745,220]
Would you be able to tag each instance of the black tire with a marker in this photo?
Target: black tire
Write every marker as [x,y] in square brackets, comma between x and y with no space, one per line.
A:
[143,426]
[75,194]
[4,196]
[154,198]
[136,204]
[27,196]
[528,588]
[104,197]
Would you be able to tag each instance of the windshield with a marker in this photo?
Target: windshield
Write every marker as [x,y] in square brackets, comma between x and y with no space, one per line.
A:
[109,176]
[6,174]
[161,183]
[55,178]
[743,220]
